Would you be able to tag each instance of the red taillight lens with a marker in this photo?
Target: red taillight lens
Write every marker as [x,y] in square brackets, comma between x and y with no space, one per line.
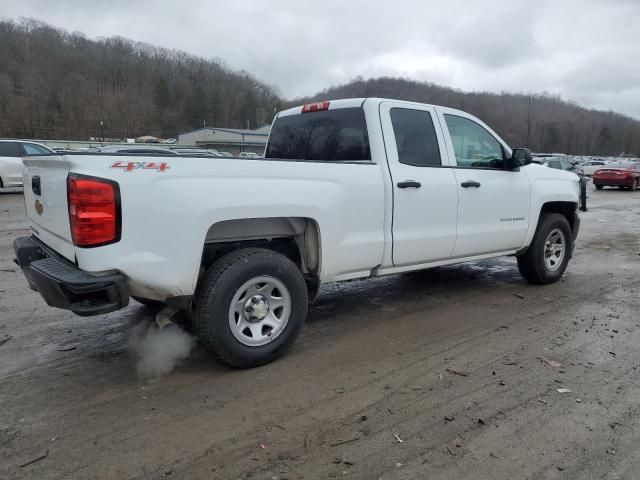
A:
[94,211]
[314,107]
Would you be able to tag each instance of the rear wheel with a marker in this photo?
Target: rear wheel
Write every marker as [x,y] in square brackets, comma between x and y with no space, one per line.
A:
[599,187]
[250,307]
[547,257]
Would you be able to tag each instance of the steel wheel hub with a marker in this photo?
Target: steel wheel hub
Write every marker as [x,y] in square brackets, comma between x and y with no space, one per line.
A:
[256,308]
[259,311]
[555,247]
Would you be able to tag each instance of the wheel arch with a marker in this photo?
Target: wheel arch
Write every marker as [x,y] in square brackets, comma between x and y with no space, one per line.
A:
[566,208]
[297,238]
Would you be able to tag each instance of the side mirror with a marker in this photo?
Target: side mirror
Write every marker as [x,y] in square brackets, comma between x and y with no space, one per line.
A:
[519,157]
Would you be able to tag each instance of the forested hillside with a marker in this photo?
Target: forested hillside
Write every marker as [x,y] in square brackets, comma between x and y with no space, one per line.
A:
[554,125]
[56,84]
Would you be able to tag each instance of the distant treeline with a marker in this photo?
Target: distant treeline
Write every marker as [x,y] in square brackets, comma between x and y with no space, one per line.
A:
[56,84]
[554,125]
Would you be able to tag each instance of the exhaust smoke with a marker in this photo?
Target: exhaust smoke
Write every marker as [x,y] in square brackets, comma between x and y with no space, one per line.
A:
[159,350]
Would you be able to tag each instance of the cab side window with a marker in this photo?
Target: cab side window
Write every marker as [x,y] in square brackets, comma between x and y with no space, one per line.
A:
[416,139]
[474,146]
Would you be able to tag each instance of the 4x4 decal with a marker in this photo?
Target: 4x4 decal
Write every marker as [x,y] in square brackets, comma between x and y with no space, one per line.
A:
[130,166]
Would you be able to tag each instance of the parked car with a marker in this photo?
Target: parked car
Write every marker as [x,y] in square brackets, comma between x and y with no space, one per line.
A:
[621,174]
[590,166]
[133,149]
[563,164]
[11,154]
[249,155]
[194,152]
[350,189]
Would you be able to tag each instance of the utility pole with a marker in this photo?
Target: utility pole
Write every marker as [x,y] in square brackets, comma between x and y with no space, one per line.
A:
[529,121]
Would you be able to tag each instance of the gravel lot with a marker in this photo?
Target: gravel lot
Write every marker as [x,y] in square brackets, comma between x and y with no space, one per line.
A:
[441,374]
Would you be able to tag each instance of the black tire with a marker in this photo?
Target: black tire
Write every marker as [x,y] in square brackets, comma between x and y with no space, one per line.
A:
[532,264]
[151,304]
[216,291]
[599,187]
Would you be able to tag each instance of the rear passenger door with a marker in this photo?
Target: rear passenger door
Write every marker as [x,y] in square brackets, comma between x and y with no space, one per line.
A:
[425,198]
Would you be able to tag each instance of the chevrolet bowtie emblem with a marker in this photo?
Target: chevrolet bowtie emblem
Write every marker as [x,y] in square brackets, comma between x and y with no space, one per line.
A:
[39,207]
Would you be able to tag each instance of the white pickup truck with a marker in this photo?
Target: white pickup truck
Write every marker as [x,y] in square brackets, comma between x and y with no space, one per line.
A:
[349,189]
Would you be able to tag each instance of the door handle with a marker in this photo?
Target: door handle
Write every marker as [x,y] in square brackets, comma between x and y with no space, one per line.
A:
[35,185]
[409,184]
[470,183]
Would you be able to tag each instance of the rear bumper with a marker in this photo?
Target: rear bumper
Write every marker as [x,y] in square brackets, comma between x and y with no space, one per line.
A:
[614,182]
[63,285]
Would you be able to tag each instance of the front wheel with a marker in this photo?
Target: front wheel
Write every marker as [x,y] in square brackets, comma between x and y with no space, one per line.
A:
[547,257]
[599,187]
[250,307]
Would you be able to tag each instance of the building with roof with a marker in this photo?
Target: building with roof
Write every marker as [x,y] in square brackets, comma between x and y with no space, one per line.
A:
[232,140]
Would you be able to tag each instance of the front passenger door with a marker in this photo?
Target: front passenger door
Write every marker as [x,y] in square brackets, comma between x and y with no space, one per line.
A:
[493,210]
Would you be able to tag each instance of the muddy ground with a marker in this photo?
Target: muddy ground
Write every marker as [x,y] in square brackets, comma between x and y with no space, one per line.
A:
[442,374]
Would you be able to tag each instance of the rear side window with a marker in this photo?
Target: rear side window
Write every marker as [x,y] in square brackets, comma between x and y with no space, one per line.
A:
[33,149]
[416,139]
[8,149]
[337,135]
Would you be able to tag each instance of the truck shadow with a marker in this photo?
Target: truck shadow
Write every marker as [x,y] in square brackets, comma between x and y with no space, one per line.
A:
[354,305]
[432,287]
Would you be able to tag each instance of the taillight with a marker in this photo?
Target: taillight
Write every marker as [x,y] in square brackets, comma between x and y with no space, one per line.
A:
[314,107]
[94,210]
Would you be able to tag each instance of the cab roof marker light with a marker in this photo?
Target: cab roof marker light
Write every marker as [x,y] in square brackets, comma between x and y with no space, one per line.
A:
[315,107]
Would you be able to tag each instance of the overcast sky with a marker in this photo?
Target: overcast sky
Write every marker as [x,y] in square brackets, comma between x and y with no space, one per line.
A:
[586,51]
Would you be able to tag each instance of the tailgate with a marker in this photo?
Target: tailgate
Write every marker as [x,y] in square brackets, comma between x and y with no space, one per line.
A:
[45,198]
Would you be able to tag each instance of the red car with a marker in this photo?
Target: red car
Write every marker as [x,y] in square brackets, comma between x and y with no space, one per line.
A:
[622,174]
